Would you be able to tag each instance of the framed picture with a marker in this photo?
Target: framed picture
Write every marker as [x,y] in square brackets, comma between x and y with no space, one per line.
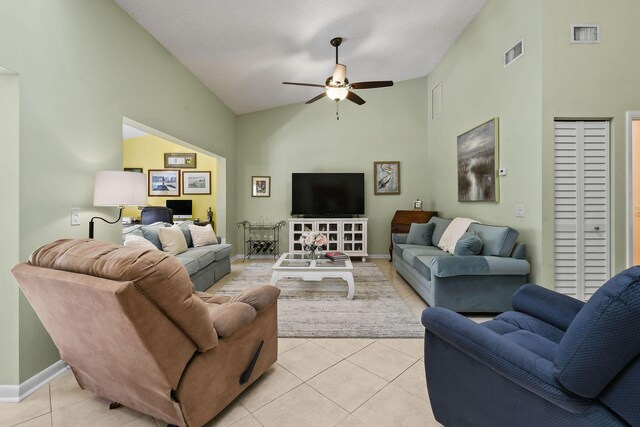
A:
[260,186]
[133,170]
[196,182]
[477,163]
[164,182]
[180,160]
[387,177]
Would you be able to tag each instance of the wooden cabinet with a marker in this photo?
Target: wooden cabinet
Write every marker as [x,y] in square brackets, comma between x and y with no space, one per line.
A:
[402,221]
[348,235]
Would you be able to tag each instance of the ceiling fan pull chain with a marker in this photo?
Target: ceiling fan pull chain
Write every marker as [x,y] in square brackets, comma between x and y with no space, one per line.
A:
[337,115]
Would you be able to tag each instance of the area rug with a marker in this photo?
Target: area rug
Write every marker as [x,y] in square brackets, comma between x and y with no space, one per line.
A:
[322,310]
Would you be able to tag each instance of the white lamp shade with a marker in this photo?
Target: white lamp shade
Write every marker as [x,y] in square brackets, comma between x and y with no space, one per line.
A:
[118,188]
[337,93]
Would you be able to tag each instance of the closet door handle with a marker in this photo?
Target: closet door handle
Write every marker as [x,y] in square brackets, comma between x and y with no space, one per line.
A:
[596,228]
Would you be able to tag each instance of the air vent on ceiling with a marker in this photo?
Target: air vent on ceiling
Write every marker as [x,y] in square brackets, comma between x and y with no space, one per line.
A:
[585,34]
[514,53]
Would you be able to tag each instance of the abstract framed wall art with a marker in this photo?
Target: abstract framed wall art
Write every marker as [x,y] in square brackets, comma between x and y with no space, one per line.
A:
[180,160]
[196,182]
[387,177]
[478,163]
[164,182]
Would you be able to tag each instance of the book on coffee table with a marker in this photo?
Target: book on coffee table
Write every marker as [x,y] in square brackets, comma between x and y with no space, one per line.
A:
[336,255]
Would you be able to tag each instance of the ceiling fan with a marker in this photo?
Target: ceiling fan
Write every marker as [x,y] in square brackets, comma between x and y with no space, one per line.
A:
[337,86]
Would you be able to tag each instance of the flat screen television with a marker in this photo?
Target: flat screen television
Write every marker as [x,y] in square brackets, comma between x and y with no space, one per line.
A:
[182,209]
[327,194]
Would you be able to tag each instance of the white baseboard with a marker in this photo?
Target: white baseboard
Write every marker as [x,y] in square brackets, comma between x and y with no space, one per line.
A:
[15,393]
[379,256]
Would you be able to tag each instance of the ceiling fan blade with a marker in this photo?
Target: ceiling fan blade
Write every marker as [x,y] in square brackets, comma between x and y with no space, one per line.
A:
[371,85]
[355,98]
[322,95]
[302,84]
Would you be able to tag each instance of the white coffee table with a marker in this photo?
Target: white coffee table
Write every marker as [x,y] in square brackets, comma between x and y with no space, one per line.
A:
[313,270]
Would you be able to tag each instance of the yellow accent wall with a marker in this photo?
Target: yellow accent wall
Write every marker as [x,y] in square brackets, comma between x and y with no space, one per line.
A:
[147,152]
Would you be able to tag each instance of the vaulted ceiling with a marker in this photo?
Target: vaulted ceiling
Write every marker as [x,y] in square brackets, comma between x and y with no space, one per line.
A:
[243,50]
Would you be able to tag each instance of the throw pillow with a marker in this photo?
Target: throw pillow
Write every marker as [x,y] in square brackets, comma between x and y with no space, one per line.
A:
[172,240]
[138,242]
[202,235]
[469,244]
[420,234]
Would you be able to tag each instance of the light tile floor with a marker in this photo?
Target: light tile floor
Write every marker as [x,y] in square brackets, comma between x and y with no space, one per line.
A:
[316,382]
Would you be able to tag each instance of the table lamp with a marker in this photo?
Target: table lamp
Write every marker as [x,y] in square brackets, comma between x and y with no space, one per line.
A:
[118,188]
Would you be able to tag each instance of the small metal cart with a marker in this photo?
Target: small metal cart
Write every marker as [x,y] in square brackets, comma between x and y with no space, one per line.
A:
[261,239]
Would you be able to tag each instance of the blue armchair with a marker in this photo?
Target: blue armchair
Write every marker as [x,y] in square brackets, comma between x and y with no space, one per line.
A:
[552,361]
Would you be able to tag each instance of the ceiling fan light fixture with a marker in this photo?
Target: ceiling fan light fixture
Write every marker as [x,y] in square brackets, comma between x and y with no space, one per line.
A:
[337,93]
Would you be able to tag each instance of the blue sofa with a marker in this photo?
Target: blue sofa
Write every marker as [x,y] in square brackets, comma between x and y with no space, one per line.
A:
[553,361]
[482,283]
[205,264]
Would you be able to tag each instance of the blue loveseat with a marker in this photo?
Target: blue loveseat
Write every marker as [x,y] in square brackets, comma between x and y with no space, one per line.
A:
[482,283]
[553,361]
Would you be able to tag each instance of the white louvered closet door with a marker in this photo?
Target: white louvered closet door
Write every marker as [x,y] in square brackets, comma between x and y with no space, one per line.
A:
[581,207]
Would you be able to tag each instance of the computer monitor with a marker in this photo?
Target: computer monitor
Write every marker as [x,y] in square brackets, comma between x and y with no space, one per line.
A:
[182,209]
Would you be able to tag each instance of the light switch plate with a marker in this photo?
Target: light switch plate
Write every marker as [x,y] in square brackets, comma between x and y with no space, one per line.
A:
[75,216]
[519,211]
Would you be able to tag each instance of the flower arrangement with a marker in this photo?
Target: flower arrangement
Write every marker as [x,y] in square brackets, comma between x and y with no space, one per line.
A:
[312,240]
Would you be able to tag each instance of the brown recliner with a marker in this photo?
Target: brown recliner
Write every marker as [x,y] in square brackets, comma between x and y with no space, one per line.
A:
[132,330]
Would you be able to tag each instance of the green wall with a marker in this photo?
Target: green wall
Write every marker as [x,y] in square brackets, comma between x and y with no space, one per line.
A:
[597,81]
[9,236]
[84,65]
[475,88]
[391,126]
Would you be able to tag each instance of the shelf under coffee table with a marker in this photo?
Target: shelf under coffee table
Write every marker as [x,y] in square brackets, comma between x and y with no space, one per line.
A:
[313,270]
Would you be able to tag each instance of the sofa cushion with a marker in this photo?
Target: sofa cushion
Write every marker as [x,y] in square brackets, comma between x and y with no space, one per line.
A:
[221,250]
[531,324]
[453,265]
[190,263]
[422,266]
[204,256]
[469,244]
[603,337]
[135,241]
[172,240]
[409,252]
[534,343]
[441,224]
[202,235]
[497,240]
[184,226]
[420,234]
[150,232]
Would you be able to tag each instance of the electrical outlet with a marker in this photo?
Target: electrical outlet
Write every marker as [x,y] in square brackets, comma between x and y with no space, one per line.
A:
[519,211]
[75,216]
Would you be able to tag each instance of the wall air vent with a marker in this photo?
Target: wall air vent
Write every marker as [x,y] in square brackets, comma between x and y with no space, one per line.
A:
[585,34]
[514,53]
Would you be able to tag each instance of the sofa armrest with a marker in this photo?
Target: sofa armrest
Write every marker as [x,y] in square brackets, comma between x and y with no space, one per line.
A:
[450,266]
[552,307]
[399,237]
[505,357]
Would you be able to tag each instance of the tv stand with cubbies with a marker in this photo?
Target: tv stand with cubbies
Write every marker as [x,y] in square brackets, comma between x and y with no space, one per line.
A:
[348,235]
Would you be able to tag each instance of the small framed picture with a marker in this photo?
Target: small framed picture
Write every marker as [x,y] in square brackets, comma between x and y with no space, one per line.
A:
[260,186]
[196,182]
[417,205]
[387,177]
[164,182]
[180,160]
[140,170]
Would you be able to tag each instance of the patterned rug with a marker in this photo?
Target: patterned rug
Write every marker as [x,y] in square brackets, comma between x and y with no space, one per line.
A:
[322,310]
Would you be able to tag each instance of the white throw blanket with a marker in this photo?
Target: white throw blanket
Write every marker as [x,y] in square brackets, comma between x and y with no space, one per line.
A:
[453,233]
